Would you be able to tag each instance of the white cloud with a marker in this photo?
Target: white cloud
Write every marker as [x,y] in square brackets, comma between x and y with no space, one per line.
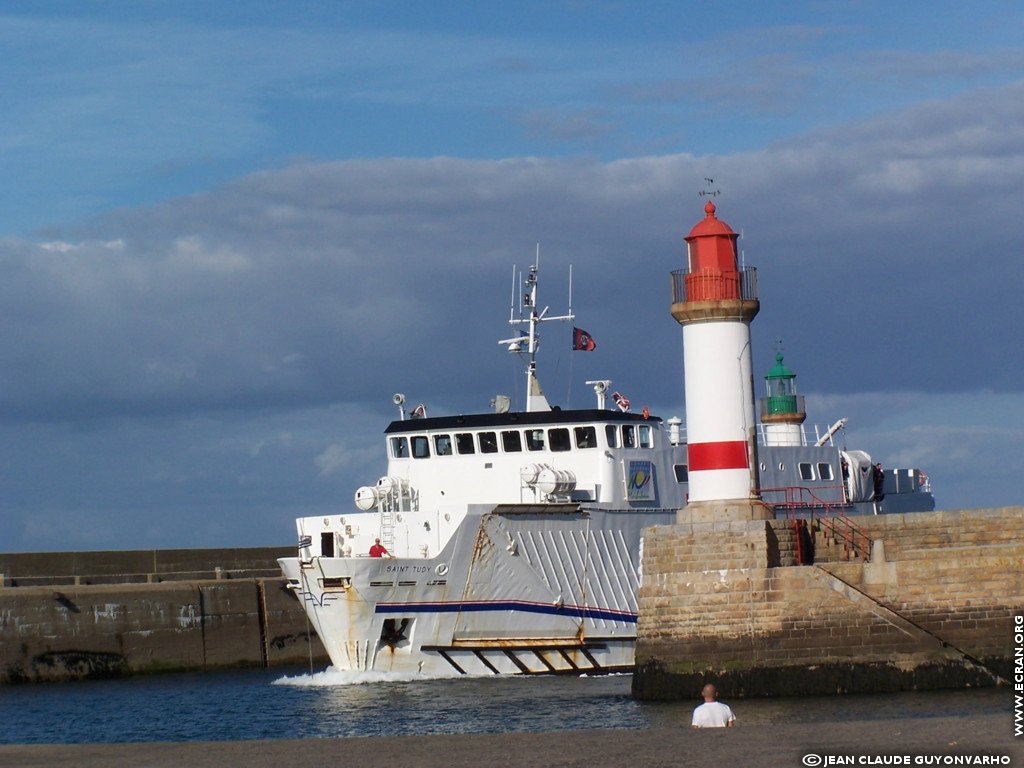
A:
[189,253]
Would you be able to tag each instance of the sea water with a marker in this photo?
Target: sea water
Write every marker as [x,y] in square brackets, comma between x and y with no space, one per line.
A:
[269,704]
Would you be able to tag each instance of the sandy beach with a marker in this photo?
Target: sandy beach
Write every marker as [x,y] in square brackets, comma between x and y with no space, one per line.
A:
[757,745]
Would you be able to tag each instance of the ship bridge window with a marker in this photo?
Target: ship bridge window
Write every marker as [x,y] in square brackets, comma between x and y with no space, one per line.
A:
[399,448]
[511,442]
[628,436]
[420,447]
[442,445]
[535,439]
[586,437]
[488,442]
[682,473]
[806,470]
[464,442]
[612,434]
[558,439]
[825,471]
[646,436]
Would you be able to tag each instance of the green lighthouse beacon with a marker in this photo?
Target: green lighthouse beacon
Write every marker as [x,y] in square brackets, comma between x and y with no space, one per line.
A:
[782,411]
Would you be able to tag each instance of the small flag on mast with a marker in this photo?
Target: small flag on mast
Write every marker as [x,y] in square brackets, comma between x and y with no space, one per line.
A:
[583,341]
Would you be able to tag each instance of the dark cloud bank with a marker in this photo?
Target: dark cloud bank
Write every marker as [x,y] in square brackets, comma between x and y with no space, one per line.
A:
[199,372]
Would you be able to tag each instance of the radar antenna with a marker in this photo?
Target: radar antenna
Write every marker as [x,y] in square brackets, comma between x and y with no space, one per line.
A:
[532,316]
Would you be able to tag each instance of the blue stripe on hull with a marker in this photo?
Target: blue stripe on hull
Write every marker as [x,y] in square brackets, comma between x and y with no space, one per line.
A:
[573,611]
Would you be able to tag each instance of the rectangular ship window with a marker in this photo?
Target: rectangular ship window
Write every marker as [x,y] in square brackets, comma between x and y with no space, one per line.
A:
[612,434]
[825,471]
[420,447]
[806,470]
[511,441]
[464,442]
[442,445]
[399,448]
[586,437]
[682,473]
[646,436]
[488,442]
[535,439]
[558,439]
[628,436]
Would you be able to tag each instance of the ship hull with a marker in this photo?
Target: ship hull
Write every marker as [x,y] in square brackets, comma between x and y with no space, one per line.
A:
[517,590]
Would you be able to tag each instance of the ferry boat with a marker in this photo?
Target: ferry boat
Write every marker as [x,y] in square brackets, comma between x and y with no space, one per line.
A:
[510,542]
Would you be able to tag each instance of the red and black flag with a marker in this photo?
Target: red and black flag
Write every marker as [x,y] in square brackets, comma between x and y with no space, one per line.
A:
[583,341]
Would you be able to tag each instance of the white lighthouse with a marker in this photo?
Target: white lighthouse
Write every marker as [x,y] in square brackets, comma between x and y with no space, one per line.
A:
[715,300]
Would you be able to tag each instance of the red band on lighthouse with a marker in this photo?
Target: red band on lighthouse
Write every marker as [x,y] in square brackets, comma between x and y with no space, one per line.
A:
[730,454]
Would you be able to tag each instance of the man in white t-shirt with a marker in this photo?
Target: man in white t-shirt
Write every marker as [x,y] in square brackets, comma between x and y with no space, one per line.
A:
[712,714]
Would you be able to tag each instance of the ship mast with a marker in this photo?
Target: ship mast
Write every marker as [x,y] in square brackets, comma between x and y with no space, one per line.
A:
[532,318]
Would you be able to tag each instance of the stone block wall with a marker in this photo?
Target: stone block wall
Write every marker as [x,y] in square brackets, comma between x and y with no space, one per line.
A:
[103,630]
[916,535]
[727,602]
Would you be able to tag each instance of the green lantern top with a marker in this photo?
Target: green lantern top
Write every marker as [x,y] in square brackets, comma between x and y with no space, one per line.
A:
[781,386]
[780,371]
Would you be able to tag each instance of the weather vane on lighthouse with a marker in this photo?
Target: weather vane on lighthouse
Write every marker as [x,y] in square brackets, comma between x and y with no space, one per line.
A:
[709,192]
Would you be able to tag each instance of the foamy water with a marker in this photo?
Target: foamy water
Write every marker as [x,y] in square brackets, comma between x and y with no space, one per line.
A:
[334,677]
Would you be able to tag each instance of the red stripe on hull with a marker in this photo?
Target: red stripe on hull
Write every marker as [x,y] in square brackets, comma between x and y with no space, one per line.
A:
[731,454]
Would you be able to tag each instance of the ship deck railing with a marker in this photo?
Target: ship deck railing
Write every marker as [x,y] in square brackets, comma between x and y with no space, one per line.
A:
[805,436]
[809,435]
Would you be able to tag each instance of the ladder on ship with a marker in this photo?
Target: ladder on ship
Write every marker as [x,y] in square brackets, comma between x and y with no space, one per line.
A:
[387,525]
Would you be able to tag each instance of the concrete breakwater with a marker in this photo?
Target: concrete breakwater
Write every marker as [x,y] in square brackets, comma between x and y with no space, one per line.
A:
[103,614]
[890,602]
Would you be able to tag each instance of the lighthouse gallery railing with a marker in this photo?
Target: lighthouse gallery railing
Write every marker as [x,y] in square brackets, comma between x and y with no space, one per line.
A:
[707,283]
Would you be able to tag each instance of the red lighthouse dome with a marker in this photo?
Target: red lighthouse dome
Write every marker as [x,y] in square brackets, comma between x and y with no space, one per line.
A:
[712,244]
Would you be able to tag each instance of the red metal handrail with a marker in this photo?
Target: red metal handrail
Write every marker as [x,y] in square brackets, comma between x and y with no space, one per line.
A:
[835,521]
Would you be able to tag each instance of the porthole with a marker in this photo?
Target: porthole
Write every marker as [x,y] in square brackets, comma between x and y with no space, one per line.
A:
[782,467]
[763,467]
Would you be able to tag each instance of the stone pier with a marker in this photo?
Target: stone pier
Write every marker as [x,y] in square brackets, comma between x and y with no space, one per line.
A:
[106,614]
[925,600]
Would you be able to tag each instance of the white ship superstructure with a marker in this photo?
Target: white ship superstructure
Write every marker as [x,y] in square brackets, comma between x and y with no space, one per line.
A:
[511,540]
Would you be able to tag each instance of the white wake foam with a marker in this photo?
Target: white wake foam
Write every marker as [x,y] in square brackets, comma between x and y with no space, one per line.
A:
[333,677]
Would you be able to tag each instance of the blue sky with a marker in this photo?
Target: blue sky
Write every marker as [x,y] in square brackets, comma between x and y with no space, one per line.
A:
[231,231]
